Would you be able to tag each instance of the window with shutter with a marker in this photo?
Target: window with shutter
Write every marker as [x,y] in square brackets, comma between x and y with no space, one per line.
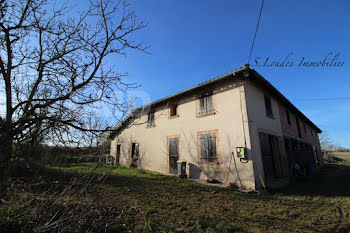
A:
[204,148]
[201,106]
[150,120]
[212,157]
[288,117]
[268,106]
[206,104]
[208,152]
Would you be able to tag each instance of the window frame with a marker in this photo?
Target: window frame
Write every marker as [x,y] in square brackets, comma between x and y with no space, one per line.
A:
[130,149]
[116,153]
[218,159]
[202,96]
[267,99]
[150,113]
[171,106]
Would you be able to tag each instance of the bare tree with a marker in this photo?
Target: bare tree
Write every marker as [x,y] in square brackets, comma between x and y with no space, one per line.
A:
[53,67]
[327,146]
[326,143]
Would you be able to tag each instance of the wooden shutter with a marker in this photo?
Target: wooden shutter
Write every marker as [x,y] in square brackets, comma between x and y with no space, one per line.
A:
[201,106]
[204,148]
[212,157]
[208,148]
[150,121]
[206,103]
[209,106]
[205,99]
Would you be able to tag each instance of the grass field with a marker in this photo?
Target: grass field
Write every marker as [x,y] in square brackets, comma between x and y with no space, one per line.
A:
[342,155]
[116,199]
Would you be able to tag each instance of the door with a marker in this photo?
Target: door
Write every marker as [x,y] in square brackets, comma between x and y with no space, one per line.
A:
[117,157]
[267,156]
[173,154]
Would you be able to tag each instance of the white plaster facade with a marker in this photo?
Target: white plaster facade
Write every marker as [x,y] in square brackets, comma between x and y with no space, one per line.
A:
[239,115]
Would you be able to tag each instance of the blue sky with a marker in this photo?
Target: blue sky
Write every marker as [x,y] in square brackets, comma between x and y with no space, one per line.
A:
[193,41]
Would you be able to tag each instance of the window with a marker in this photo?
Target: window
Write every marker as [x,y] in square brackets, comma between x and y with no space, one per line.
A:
[288,117]
[208,147]
[150,120]
[134,150]
[173,110]
[206,104]
[312,133]
[268,106]
[304,128]
[298,127]
[117,154]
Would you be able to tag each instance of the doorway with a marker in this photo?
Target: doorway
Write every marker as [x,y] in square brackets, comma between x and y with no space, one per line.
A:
[134,150]
[173,150]
[117,156]
[270,156]
[134,154]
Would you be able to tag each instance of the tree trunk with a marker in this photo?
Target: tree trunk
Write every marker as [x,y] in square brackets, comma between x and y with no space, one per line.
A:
[5,155]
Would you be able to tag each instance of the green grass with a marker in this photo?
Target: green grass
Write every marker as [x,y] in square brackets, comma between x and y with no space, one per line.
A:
[141,201]
[104,169]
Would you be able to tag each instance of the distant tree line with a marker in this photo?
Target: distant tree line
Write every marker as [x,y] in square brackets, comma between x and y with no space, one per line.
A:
[55,155]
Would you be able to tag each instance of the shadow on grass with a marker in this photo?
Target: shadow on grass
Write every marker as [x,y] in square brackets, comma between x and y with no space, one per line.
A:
[332,181]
